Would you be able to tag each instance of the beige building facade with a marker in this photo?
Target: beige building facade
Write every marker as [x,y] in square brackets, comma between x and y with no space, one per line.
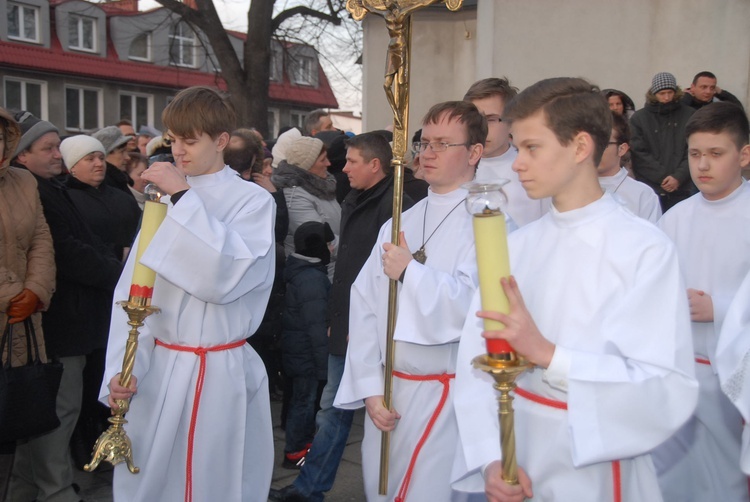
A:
[614,43]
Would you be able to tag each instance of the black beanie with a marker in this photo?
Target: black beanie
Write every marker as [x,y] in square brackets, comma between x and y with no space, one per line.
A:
[311,239]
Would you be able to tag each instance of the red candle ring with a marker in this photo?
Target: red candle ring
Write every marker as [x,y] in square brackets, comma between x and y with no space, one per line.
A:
[498,346]
[141,291]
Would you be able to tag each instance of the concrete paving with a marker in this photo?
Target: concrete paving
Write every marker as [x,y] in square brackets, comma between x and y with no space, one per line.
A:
[97,486]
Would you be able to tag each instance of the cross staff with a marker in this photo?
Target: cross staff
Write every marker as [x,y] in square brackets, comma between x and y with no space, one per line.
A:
[397,15]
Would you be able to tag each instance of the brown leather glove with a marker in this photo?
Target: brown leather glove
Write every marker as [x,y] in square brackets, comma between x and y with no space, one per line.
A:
[22,306]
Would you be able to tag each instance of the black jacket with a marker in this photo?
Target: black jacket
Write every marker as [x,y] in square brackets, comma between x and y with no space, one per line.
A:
[305,319]
[659,144]
[77,320]
[362,215]
[118,179]
[689,100]
[111,215]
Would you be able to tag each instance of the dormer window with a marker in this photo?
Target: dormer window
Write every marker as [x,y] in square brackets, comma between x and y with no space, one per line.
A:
[23,22]
[82,33]
[140,47]
[302,70]
[182,45]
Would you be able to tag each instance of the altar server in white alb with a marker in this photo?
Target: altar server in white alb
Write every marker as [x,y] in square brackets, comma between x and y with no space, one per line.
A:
[733,362]
[490,95]
[711,230]
[596,303]
[614,179]
[436,266]
[200,419]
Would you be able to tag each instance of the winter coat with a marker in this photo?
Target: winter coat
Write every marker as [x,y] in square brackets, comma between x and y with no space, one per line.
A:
[111,215]
[27,259]
[658,143]
[77,320]
[363,212]
[304,346]
[117,178]
[308,198]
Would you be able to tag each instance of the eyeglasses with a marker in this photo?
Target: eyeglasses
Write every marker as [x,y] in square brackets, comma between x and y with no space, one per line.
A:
[435,146]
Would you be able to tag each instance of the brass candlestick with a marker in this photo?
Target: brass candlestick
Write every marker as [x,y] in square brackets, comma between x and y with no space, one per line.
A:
[505,371]
[114,444]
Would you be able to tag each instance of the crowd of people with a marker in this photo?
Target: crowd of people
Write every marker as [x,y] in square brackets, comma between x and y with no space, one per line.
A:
[628,295]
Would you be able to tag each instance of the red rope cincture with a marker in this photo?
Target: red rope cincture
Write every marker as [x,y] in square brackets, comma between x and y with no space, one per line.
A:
[560,405]
[701,360]
[201,353]
[444,379]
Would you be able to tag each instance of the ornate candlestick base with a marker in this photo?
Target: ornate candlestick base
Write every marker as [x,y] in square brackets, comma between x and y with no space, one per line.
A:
[505,374]
[114,444]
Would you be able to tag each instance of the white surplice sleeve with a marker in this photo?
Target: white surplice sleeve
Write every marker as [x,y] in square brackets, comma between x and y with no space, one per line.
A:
[633,396]
[209,258]
[365,354]
[733,362]
[436,302]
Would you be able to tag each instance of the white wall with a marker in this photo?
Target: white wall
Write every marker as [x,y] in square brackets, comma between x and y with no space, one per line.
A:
[613,43]
[442,64]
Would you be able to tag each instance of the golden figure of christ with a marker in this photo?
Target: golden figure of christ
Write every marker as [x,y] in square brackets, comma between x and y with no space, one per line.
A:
[397,20]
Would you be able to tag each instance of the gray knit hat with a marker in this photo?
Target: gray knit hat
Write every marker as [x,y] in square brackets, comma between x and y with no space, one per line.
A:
[663,81]
[75,148]
[32,128]
[111,137]
[304,152]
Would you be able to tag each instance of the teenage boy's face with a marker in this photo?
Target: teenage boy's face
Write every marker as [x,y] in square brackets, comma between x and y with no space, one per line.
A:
[199,155]
[448,170]
[544,166]
[498,136]
[716,163]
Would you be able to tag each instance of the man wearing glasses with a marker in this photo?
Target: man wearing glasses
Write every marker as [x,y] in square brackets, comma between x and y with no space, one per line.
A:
[490,96]
[436,268]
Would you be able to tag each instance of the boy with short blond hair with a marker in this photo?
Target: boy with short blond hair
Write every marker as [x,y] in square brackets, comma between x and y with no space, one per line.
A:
[613,376]
[200,423]
[614,178]
[711,231]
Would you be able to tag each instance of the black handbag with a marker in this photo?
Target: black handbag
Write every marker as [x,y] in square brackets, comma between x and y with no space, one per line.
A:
[28,393]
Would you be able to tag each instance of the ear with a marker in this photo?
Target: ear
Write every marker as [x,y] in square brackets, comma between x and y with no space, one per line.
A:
[374,165]
[623,149]
[584,147]
[745,156]
[475,153]
[222,141]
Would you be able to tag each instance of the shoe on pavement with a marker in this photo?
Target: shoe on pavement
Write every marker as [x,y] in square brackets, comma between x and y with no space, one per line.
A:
[287,494]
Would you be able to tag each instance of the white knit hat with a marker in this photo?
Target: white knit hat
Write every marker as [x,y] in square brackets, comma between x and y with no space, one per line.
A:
[282,144]
[304,152]
[75,148]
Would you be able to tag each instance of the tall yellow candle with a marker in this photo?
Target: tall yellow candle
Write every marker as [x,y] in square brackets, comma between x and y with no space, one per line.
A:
[143,277]
[491,238]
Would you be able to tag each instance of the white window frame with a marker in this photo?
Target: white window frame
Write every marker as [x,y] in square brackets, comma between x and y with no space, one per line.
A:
[21,26]
[24,104]
[302,114]
[181,40]
[78,44]
[273,115]
[300,74]
[133,118]
[99,108]
[148,47]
